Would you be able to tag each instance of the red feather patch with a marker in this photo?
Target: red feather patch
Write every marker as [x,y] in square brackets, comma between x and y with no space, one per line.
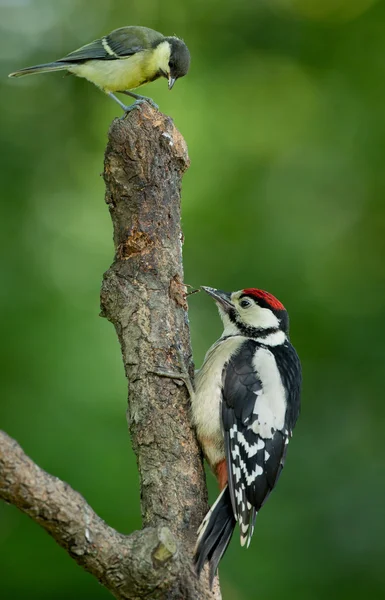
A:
[269,298]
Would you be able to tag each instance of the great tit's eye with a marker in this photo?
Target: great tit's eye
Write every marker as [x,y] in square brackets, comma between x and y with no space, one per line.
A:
[171,64]
[245,303]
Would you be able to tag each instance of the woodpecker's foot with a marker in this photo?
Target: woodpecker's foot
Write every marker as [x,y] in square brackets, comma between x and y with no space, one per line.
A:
[140,99]
[183,378]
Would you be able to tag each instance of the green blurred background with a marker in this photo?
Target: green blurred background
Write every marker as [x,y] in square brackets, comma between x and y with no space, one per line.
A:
[284,115]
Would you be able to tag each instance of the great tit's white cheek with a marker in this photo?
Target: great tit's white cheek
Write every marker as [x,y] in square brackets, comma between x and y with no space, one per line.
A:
[161,57]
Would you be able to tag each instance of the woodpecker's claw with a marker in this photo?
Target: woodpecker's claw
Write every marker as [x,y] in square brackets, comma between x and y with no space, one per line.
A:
[184,378]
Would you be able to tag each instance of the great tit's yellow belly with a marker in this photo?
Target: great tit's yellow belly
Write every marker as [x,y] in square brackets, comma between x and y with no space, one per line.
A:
[125,73]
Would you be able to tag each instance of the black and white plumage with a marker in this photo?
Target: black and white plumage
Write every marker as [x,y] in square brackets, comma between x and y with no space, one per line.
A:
[245,407]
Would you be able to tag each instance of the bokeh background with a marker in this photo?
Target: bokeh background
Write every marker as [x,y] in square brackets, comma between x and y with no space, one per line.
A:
[284,115]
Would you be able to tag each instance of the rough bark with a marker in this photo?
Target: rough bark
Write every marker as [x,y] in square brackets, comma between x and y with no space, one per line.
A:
[131,567]
[143,295]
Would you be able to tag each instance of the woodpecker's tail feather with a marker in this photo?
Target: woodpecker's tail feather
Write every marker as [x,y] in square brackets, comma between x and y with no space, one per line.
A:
[215,534]
[47,68]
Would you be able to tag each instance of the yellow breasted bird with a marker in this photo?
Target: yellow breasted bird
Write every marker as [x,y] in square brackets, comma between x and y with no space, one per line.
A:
[123,60]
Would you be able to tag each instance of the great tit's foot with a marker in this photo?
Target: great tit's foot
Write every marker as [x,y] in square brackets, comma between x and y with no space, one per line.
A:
[151,102]
[140,98]
[134,106]
[123,106]
[140,101]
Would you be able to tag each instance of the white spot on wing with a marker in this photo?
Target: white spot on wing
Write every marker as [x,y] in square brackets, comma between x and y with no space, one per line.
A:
[237,473]
[239,496]
[251,449]
[254,474]
[108,49]
[249,476]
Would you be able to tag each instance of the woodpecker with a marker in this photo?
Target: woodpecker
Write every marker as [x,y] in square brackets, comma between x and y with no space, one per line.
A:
[245,406]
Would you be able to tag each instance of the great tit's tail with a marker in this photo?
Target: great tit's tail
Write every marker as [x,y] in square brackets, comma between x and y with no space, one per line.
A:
[47,68]
[215,534]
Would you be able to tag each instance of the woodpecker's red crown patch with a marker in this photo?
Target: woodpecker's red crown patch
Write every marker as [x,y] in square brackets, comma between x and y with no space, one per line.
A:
[268,298]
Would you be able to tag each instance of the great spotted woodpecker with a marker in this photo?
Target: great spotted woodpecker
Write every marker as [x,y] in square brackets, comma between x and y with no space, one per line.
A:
[245,406]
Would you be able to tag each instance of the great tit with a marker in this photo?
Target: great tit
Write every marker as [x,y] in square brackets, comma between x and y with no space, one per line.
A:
[125,59]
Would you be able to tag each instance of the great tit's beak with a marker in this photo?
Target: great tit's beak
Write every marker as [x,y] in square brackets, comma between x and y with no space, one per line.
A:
[171,81]
[220,297]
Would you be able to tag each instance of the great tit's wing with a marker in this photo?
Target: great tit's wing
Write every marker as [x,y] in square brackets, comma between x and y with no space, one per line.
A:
[120,43]
[93,50]
[254,456]
[128,40]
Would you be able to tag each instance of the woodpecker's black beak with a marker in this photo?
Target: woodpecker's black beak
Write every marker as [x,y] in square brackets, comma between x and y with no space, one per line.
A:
[222,298]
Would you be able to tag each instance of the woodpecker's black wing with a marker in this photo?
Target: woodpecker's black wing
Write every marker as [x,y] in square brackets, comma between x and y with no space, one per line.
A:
[289,367]
[120,43]
[254,453]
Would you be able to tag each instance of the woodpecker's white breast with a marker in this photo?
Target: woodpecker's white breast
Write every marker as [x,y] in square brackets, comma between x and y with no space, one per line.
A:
[208,395]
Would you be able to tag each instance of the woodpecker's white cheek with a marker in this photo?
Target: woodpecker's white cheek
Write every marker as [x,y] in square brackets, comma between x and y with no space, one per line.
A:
[259,317]
[270,404]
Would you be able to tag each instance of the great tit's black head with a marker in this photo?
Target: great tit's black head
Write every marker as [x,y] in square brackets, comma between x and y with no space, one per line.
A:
[179,61]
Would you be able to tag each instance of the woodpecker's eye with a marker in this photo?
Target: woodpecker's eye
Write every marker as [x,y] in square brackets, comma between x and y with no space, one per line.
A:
[245,303]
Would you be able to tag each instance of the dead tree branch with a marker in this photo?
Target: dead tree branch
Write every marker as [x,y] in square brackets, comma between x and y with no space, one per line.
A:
[144,297]
[124,564]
